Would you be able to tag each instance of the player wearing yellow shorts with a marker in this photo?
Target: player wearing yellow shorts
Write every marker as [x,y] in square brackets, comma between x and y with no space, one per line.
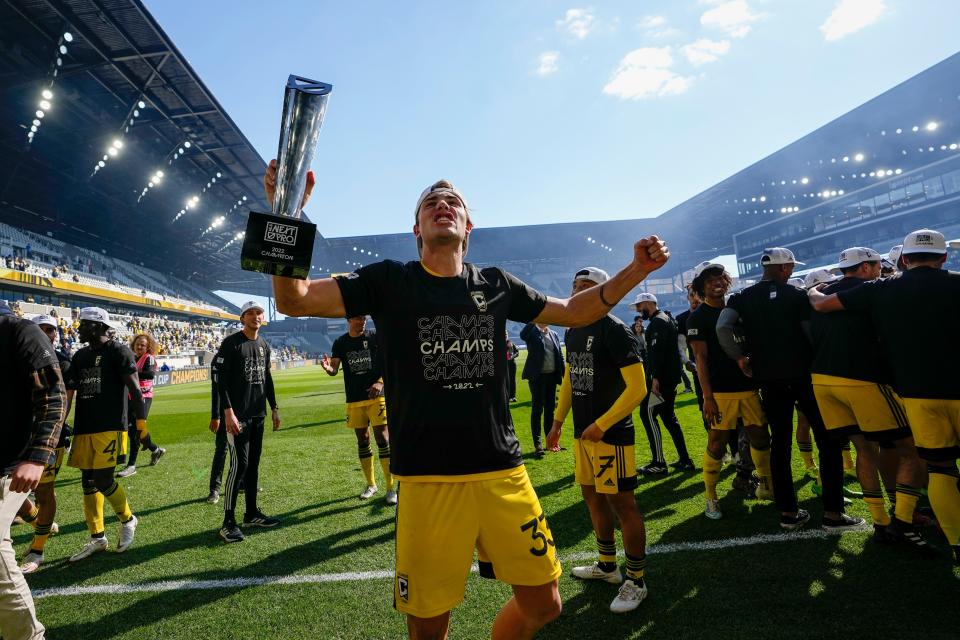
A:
[915,315]
[604,381]
[357,352]
[850,380]
[99,378]
[728,395]
[41,515]
[441,326]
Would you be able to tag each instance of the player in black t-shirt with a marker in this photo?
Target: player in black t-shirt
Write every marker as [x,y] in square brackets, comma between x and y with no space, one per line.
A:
[357,351]
[244,386]
[908,312]
[99,378]
[603,382]
[663,367]
[441,326]
[729,397]
[41,515]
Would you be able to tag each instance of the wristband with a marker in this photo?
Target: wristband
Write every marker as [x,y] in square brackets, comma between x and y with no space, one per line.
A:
[604,300]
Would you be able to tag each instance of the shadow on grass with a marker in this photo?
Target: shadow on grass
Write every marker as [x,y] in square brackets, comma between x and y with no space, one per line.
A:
[307,425]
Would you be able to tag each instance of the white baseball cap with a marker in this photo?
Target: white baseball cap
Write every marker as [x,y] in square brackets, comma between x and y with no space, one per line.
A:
[250,305]
[45,319]
[855,255]
[954,244]
[593,274]
[706,264]
[797,282]
[924,241]
[893,256]
[778,255]
[96,314]
[645,297]
[818,276]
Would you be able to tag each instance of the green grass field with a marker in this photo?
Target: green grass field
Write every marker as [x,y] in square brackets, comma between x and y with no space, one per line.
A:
[793,587]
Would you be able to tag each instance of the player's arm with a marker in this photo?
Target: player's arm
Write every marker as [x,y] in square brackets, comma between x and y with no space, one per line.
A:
[824,303]
[132,382]
[656,352]
[689,364]
[49,411]
[711,412]
[225,365]
[634,392]
[564,402]
[586,307]
[271,393]
[726,324]
[214,402]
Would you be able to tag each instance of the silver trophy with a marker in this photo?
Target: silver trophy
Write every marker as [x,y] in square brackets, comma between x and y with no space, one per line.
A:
[280,243]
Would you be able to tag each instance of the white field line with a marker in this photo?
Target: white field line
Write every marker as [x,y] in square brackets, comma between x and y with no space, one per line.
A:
[356,576]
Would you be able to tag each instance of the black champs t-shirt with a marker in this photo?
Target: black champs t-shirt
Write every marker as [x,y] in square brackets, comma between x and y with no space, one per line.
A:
[360,361]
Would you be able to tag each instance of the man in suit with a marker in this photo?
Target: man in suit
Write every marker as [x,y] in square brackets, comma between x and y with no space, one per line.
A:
[543,370]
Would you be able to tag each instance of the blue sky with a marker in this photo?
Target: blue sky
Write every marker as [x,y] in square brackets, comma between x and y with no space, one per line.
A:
[545,111]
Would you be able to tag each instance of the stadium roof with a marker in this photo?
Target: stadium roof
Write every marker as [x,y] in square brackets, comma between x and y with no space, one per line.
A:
[116,58]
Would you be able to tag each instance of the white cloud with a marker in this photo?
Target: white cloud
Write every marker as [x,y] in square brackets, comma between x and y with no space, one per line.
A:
[653,22]
[657,27]
[705,50]
[849,16]
[547,63]
[577,22]
[733,18]
[646,73]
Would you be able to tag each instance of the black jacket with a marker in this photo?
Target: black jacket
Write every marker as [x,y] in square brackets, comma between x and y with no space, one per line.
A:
[663,355]
[535,349]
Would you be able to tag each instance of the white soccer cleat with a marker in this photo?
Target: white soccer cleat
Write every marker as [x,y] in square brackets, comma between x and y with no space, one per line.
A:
[54,528]
[712,510]
[93,545]
[368,493]
[630,596]
[127,529]
[31,562]
[594,572]
[127,472]
[391,497]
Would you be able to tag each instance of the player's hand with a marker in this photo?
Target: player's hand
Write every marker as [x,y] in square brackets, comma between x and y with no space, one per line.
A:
[270,183]
[232,424]
[553,438]
[690,366]
[375,390]
[276,419]
[711,411]
[744,364]
[593,433]
[650,254]
[26,477]
[655,388]
[214,425]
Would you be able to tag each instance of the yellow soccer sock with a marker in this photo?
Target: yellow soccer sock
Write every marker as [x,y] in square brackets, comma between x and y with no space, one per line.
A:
[806,454]
[944,494]
[607,550]
[847,456]
[93,511]
[31,518]
[118,500]
[906,504]
[384,454]
[711,474]
[761,460]
[366,464]
[636,567]
[40,535]
[878,511]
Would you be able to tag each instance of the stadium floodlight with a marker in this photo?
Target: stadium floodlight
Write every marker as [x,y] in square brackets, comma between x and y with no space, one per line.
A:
[39,114]
[117,144]
[45,105]
[846,158]
[46,94]
[59,62]
[763,198]
[101,164]
[804,180]
[112,151]
[915,128]
[67,36]
[142,104]
[187,144]
[136,114]
[33,128]
[931,126]
[180,150]
[36,122]
[158,174]
[219,175]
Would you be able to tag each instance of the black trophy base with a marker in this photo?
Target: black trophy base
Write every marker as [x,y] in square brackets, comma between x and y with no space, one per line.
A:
[278,245]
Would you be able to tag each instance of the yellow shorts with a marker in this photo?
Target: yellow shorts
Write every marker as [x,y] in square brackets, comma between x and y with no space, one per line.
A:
[868,407]
[51,470]
[439,524]
[606,467]
[936,427]
[98,450]
[367,413]
[739,404]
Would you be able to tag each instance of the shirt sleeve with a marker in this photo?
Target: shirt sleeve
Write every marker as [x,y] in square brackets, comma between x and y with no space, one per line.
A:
[336,350]
[860,298]
[696,329]
[34,350]
[526,303]
[128,362]
[363,290]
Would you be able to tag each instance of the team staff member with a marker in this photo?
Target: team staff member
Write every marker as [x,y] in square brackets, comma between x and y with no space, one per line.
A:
[41,514]
[728,395]
[772,313]
[686,353]
[543,371]
[441,324]
[604,381]
[34,404]
[357,351]
[144,350]
[850,380]
[920,305]
[244,386]
[663,367]
[99,378]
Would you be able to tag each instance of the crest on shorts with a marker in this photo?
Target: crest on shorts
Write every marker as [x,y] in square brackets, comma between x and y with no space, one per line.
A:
[480,300]
[365,345]
[403,587]
[589,342]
